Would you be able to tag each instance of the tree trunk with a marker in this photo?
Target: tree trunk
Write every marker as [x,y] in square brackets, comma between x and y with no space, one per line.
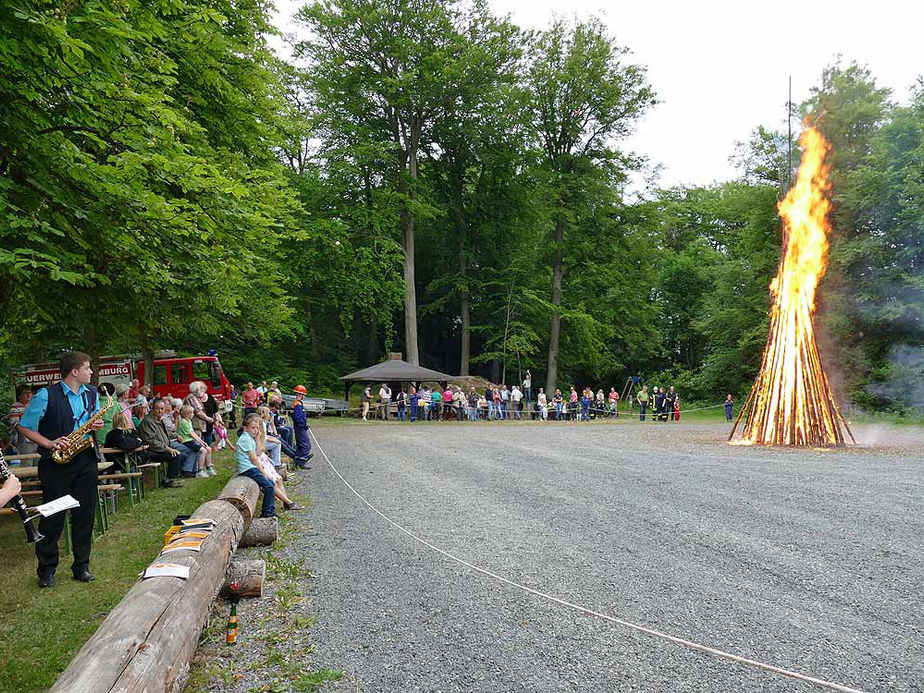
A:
[466,318]
[91,346]
[244,579]
[147,640]
[243,493]
[262,532]
[555,327]
[410,290]
[147,356]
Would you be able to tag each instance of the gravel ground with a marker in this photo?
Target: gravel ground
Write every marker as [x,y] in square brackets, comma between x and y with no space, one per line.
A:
[806,559]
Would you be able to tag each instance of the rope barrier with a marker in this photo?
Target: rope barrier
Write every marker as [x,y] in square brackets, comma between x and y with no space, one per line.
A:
[582,609]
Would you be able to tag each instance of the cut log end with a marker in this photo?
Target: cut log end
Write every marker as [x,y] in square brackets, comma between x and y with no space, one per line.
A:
[244,580]
[262,532]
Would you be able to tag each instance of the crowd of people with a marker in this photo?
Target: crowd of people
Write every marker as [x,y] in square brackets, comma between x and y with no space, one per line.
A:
[500,402]
[181,433]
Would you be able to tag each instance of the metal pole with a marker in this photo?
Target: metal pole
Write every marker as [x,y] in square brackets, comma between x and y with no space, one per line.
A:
[789,137]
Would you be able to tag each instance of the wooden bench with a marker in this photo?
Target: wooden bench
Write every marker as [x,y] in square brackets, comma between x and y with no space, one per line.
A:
[32,472]
[25,457]
[132,475]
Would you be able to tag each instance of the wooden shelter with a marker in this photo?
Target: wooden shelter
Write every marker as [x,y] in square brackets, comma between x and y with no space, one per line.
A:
[394,370]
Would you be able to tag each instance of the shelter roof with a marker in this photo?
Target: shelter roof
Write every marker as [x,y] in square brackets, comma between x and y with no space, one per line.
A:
[395,369]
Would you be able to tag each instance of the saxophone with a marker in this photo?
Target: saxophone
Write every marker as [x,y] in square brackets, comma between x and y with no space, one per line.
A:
[79,440]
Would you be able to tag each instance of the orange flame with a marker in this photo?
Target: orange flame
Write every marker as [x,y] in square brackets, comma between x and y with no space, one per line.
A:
[791,402]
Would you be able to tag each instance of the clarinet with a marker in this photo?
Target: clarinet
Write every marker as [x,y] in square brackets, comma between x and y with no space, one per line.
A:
[32,534]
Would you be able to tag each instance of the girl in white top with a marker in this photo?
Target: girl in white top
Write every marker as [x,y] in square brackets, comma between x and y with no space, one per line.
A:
[543,402]
[265,465]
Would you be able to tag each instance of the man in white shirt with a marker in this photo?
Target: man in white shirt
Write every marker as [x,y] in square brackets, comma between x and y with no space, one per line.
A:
[515,397]
[385,396]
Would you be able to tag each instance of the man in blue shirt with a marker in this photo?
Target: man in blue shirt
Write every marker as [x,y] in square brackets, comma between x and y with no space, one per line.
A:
[54,413]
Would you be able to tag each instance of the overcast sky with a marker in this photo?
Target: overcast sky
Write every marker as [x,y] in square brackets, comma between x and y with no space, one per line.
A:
[722,68]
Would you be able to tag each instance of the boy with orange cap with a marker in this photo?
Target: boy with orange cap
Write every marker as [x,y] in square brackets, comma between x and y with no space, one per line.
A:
[300,424]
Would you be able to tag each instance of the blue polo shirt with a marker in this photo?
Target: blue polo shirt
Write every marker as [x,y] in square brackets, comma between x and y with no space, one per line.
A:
[36,409]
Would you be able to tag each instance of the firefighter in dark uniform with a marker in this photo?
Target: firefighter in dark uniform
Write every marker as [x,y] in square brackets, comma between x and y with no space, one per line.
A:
[56,411]
[300,424]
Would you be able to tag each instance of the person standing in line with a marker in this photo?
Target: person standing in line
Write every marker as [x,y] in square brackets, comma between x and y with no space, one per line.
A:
[675,404]
[413,399]
[55,412]
[250,400]
[642,399]
[489,398]
[472,404]
[505,402]
[447,403]
[364,399]
[230,408]
[516,400]
[498,401]
[614,403]
[385,396]
[668,406]
[435,398]
[424,394]
[543,403]
[300,425]
[729,407]
[401,399]
[528,388]
[585,405]
[559,403]
[659,403]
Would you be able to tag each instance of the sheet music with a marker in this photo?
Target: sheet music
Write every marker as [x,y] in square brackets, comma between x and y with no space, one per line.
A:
[57,505]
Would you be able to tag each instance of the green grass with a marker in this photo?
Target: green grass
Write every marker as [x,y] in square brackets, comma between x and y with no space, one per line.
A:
[41,630]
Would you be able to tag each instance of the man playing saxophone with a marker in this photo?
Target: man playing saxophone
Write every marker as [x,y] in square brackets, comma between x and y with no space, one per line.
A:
[55,412]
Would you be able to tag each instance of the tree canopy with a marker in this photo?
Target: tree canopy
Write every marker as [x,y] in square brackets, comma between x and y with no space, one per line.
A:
[423,177]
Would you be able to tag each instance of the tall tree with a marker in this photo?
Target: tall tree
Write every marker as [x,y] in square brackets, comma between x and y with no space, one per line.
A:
[583,97]
[136,164]
[383,73]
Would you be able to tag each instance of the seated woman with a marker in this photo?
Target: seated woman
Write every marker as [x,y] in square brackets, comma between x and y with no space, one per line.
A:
[275,445]
[191,439]
[122,437]
[125,403]
[139,411]
[265,465]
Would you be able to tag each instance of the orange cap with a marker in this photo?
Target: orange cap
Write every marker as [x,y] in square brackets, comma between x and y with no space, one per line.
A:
[300,389]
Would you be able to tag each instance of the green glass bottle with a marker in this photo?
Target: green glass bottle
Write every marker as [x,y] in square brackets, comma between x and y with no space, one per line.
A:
[231,636]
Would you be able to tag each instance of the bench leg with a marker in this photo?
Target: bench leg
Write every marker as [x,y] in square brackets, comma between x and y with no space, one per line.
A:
[67,532]
[99,517]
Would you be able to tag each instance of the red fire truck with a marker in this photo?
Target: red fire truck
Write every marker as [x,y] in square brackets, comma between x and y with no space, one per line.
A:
[172,373]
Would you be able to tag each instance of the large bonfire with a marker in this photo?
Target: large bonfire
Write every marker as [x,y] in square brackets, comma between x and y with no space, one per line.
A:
[791,402]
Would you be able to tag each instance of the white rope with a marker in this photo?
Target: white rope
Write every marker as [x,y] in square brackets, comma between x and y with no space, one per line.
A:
[590,612]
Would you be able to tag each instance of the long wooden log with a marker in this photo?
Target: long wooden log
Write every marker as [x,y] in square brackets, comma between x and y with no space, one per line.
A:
[244,579]
[243,493]
[262,532]
[146,642]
